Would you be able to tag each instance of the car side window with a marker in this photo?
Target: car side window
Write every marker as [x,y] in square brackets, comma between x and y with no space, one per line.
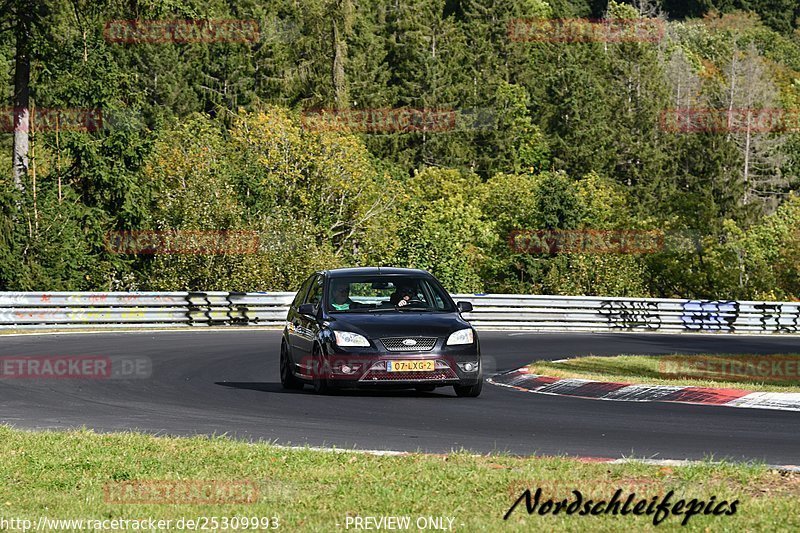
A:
[315,293]
[301,293]
[438,303]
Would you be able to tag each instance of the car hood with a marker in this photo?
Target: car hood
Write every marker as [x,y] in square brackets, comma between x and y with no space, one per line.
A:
[402,324]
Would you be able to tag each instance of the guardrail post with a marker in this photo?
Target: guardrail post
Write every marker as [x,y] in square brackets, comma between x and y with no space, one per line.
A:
[194,308]
[237,313]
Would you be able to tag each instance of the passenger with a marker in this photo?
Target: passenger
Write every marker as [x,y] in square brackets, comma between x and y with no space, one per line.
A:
[341,296]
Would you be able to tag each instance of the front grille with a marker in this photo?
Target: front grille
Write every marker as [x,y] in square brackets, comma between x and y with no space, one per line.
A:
[421,344]
[382,375]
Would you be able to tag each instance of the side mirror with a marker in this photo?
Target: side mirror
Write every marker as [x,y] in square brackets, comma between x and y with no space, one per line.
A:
[307,309]
[464,307]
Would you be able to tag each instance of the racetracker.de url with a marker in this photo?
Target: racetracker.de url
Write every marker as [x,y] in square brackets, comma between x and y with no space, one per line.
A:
[197,523]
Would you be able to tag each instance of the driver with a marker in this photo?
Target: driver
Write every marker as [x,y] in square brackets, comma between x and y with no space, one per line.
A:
[402,295]
[340,291]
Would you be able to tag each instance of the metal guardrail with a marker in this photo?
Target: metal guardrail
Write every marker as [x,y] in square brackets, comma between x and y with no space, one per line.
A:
[40,310]
[566,313]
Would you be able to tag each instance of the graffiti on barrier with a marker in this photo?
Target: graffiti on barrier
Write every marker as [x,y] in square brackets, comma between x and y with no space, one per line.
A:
[710,315]
[630,315]
[781,318]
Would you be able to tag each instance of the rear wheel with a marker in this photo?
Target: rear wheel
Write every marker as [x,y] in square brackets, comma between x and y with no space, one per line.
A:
[288,379]
[320,374]
[469,391]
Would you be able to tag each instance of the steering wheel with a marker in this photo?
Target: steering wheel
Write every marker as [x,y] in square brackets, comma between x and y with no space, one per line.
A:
[411,302]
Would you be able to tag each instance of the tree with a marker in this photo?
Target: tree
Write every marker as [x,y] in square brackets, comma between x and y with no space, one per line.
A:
[342,22]
[25,13]
[749,97]
[518,145]
[442,228]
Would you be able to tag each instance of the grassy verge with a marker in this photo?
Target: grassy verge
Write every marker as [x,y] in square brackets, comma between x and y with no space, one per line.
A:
[63,475]
[769,373]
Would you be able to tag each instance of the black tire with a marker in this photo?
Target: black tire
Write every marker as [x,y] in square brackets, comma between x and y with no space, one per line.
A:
[469,391]
[425,388]
[288,380]
[320,384]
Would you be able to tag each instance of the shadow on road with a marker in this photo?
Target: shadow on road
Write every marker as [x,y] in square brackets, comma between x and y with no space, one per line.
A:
[261,386]
[441,392]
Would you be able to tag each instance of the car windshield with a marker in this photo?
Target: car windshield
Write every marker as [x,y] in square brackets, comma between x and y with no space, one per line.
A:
[390,294]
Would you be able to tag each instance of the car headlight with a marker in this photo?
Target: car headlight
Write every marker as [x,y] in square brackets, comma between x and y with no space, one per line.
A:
[348,338]
[463,336]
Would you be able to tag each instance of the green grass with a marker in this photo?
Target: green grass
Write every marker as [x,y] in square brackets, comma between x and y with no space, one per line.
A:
[782,373]
[62,475]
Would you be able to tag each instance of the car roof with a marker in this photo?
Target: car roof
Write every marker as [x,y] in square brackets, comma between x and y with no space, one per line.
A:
[374,271]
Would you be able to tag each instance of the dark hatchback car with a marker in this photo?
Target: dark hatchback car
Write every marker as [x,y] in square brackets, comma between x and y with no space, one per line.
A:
[379,328]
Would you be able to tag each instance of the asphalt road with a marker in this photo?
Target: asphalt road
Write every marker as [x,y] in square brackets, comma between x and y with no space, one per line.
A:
[226,382]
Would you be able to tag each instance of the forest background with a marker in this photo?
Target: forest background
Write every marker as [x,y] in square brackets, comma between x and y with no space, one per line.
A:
[535,135]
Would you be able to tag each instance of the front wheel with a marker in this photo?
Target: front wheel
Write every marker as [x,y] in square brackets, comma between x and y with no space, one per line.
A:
[469,391]
[288,379]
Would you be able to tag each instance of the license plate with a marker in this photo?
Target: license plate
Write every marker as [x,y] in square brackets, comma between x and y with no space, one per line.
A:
[409,366]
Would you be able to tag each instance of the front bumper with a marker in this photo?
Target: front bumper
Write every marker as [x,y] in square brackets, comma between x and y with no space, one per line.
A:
[354,367]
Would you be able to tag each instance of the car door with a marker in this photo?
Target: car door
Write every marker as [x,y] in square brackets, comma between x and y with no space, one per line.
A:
[307,326]
[293,318]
